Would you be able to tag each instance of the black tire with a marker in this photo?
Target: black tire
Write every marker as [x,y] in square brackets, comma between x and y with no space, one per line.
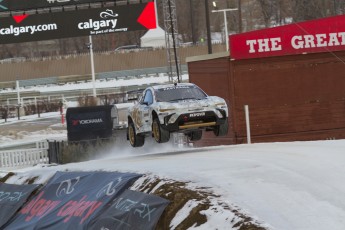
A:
[221,130]
[134,139]
[195,135]
[160,134]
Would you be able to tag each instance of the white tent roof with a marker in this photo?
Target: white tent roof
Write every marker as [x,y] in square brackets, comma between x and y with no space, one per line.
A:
[153,38]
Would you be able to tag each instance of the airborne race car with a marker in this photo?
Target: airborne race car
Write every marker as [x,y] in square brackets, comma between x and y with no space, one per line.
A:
[181,107]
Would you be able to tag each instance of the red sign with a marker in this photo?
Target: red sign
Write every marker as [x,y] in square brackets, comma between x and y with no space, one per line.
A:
[316,36]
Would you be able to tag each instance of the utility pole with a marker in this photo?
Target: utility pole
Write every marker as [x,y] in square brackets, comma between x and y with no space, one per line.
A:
[90,46]
[171,37]
[239,17]
[225,25]
[209,42]
[192,21]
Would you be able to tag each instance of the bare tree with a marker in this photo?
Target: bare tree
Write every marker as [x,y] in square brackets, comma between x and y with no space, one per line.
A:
[268,10]
[308,10]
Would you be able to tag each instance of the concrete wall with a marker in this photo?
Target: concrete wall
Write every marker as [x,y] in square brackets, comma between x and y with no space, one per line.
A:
[104,62]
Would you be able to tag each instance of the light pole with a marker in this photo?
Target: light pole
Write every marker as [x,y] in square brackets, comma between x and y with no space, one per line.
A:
[209,42]
[225,24]
[90,47]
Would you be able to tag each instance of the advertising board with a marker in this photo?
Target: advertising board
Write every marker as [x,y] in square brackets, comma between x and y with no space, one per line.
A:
[13,5]
[315,36]
[36,27]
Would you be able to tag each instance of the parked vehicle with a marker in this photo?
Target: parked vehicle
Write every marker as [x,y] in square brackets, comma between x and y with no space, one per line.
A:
[182,107]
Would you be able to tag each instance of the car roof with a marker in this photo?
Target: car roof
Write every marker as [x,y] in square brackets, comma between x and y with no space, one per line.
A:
[156,87]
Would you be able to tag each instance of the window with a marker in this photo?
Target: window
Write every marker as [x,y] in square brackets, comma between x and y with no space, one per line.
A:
[148,98]
[180,93]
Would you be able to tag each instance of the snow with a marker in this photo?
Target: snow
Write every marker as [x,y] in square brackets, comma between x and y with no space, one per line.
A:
[284,186]
[183,213]
[10,138]
[99,84]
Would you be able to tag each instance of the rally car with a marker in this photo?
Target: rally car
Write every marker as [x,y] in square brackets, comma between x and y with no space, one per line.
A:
[179,107]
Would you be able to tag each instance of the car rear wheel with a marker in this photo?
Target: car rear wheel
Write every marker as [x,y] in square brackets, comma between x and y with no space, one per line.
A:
[160,134]
[134,139]
[195,135]
[221,130]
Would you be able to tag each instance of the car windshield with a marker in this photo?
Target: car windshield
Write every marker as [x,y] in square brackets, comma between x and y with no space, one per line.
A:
[177,93]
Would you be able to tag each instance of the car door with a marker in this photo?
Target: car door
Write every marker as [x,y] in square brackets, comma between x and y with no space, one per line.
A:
[141,116]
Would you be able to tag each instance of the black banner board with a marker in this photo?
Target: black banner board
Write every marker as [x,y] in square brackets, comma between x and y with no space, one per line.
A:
[70,200]
[12,198]
[13,5]
[131,211]
[90,122]
[36,27]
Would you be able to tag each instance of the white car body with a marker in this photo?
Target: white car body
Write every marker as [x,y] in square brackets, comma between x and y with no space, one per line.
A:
[181,107]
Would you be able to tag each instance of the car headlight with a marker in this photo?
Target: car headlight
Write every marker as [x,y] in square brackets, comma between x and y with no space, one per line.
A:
[221,105]
[172,119]
[218,113]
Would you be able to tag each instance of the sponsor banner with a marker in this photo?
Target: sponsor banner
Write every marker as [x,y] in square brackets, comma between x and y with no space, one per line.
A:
[26,28]
[71,199]
[12,198]
[88,121]
[322,35]
[131,211]
[11,5]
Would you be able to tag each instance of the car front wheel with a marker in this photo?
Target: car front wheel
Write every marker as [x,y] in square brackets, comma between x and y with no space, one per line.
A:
[221,130]
[134,139]
[195,135]
[160,134]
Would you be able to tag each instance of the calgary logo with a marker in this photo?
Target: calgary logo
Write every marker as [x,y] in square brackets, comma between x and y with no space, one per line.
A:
[109,189]
[108,14]
[66,187]
[100,24]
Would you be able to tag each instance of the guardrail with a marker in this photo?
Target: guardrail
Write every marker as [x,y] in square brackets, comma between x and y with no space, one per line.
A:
[25,157]
[87,77]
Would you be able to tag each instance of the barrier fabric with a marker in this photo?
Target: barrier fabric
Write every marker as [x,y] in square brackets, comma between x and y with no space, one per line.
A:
[12,198]
[70,200]
[131,211]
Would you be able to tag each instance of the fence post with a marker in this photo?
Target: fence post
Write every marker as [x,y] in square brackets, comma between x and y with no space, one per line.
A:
[54,152]
[246,111]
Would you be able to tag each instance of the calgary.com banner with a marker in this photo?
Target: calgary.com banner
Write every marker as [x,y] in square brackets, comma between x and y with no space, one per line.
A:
[26,28]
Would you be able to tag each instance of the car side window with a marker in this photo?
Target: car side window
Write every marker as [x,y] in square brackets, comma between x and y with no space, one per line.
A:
[148,98]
